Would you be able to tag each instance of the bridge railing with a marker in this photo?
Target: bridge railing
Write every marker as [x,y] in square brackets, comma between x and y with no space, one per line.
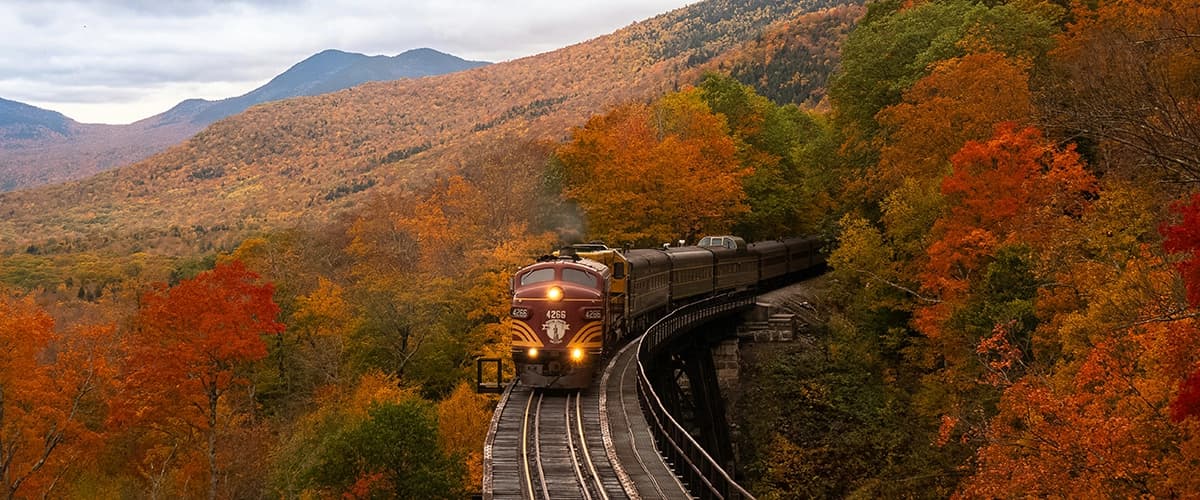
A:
[700,471]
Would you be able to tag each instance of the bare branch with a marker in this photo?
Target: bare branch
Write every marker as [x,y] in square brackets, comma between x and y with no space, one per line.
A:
[900,287]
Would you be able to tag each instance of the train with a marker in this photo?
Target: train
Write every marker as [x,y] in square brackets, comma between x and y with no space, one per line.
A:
[572,308]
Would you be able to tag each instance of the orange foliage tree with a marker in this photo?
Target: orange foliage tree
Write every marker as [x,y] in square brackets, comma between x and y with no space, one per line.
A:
[646,174]
[1008,201]
[431,267]
[186,352]
[962,99]
[44,404]
[1015,188]
[463,420]
[1100,424]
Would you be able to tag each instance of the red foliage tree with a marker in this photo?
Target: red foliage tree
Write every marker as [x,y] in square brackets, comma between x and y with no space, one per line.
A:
[1187,403]
[185,354]
[1184,238]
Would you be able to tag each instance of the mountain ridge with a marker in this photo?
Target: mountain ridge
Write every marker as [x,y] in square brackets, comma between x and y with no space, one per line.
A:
[43,148]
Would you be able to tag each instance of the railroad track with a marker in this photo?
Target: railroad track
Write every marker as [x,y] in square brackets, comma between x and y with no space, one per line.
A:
[554,463]
[548,446]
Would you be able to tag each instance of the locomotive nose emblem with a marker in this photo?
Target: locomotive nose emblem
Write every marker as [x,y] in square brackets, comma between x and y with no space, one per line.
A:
[556,327]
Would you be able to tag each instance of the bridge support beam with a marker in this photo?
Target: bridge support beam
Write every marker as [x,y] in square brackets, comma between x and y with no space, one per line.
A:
[709,405]
[686,380]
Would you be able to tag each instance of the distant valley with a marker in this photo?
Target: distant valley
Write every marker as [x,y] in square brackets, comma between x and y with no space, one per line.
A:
[39,146]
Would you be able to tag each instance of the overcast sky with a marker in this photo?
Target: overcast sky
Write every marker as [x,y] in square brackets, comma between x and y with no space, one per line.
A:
[118,61]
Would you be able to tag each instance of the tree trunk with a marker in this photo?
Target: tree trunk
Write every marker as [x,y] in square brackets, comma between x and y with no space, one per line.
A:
[213,396]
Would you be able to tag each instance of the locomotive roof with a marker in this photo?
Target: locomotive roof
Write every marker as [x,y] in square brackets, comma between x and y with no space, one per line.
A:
[551,261]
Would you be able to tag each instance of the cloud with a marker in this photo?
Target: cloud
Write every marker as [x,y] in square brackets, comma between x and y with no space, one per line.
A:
[59,54]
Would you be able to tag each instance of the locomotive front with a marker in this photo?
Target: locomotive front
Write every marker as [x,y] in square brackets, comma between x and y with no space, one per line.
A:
[558,314]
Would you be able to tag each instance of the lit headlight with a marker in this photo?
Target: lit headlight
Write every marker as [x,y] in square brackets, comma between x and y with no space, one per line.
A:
[576,354]
[533,352]
[519,313]
[554,293]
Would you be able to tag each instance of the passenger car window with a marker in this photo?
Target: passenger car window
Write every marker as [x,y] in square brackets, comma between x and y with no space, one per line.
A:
[580,277]
[537,276]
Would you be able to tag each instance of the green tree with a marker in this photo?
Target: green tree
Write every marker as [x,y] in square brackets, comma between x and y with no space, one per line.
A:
[394,452]
[891,49]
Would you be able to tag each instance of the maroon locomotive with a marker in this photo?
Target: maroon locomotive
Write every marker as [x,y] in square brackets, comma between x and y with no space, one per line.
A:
[558,313]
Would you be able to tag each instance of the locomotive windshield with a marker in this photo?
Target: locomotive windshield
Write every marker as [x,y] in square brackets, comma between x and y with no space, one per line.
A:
[577,276]
[537,276]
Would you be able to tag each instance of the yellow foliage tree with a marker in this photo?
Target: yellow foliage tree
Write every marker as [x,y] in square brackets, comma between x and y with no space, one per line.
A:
[463,419]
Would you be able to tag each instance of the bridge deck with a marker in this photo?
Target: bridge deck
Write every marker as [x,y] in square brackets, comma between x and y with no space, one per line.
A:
[648,476]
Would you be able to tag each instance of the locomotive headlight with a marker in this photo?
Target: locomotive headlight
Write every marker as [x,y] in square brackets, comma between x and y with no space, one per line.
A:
[533,352]
[554,293]
[576,354]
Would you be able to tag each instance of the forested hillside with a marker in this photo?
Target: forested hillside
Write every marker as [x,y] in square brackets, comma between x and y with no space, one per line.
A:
[1014,288]
[790,62]
[310,157]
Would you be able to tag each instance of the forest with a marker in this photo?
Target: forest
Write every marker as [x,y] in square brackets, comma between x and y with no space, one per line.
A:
[1010,196]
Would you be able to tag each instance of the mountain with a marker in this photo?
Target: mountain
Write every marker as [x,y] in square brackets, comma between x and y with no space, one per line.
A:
[327,71]
[22,121]
[41,147]
[310,158]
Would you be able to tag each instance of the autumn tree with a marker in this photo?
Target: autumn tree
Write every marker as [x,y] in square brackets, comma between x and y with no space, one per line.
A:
[673,160]
[308,269]
[188,353]
[1009,201]
[324,321]
[962,99]
[1099,419]
[430,270]
[463,420]
[1015,188]
[51,386]
[1125,78]
[1184,237]
[912,40]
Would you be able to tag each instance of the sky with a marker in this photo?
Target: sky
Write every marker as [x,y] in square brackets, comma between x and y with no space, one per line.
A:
[118,61]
